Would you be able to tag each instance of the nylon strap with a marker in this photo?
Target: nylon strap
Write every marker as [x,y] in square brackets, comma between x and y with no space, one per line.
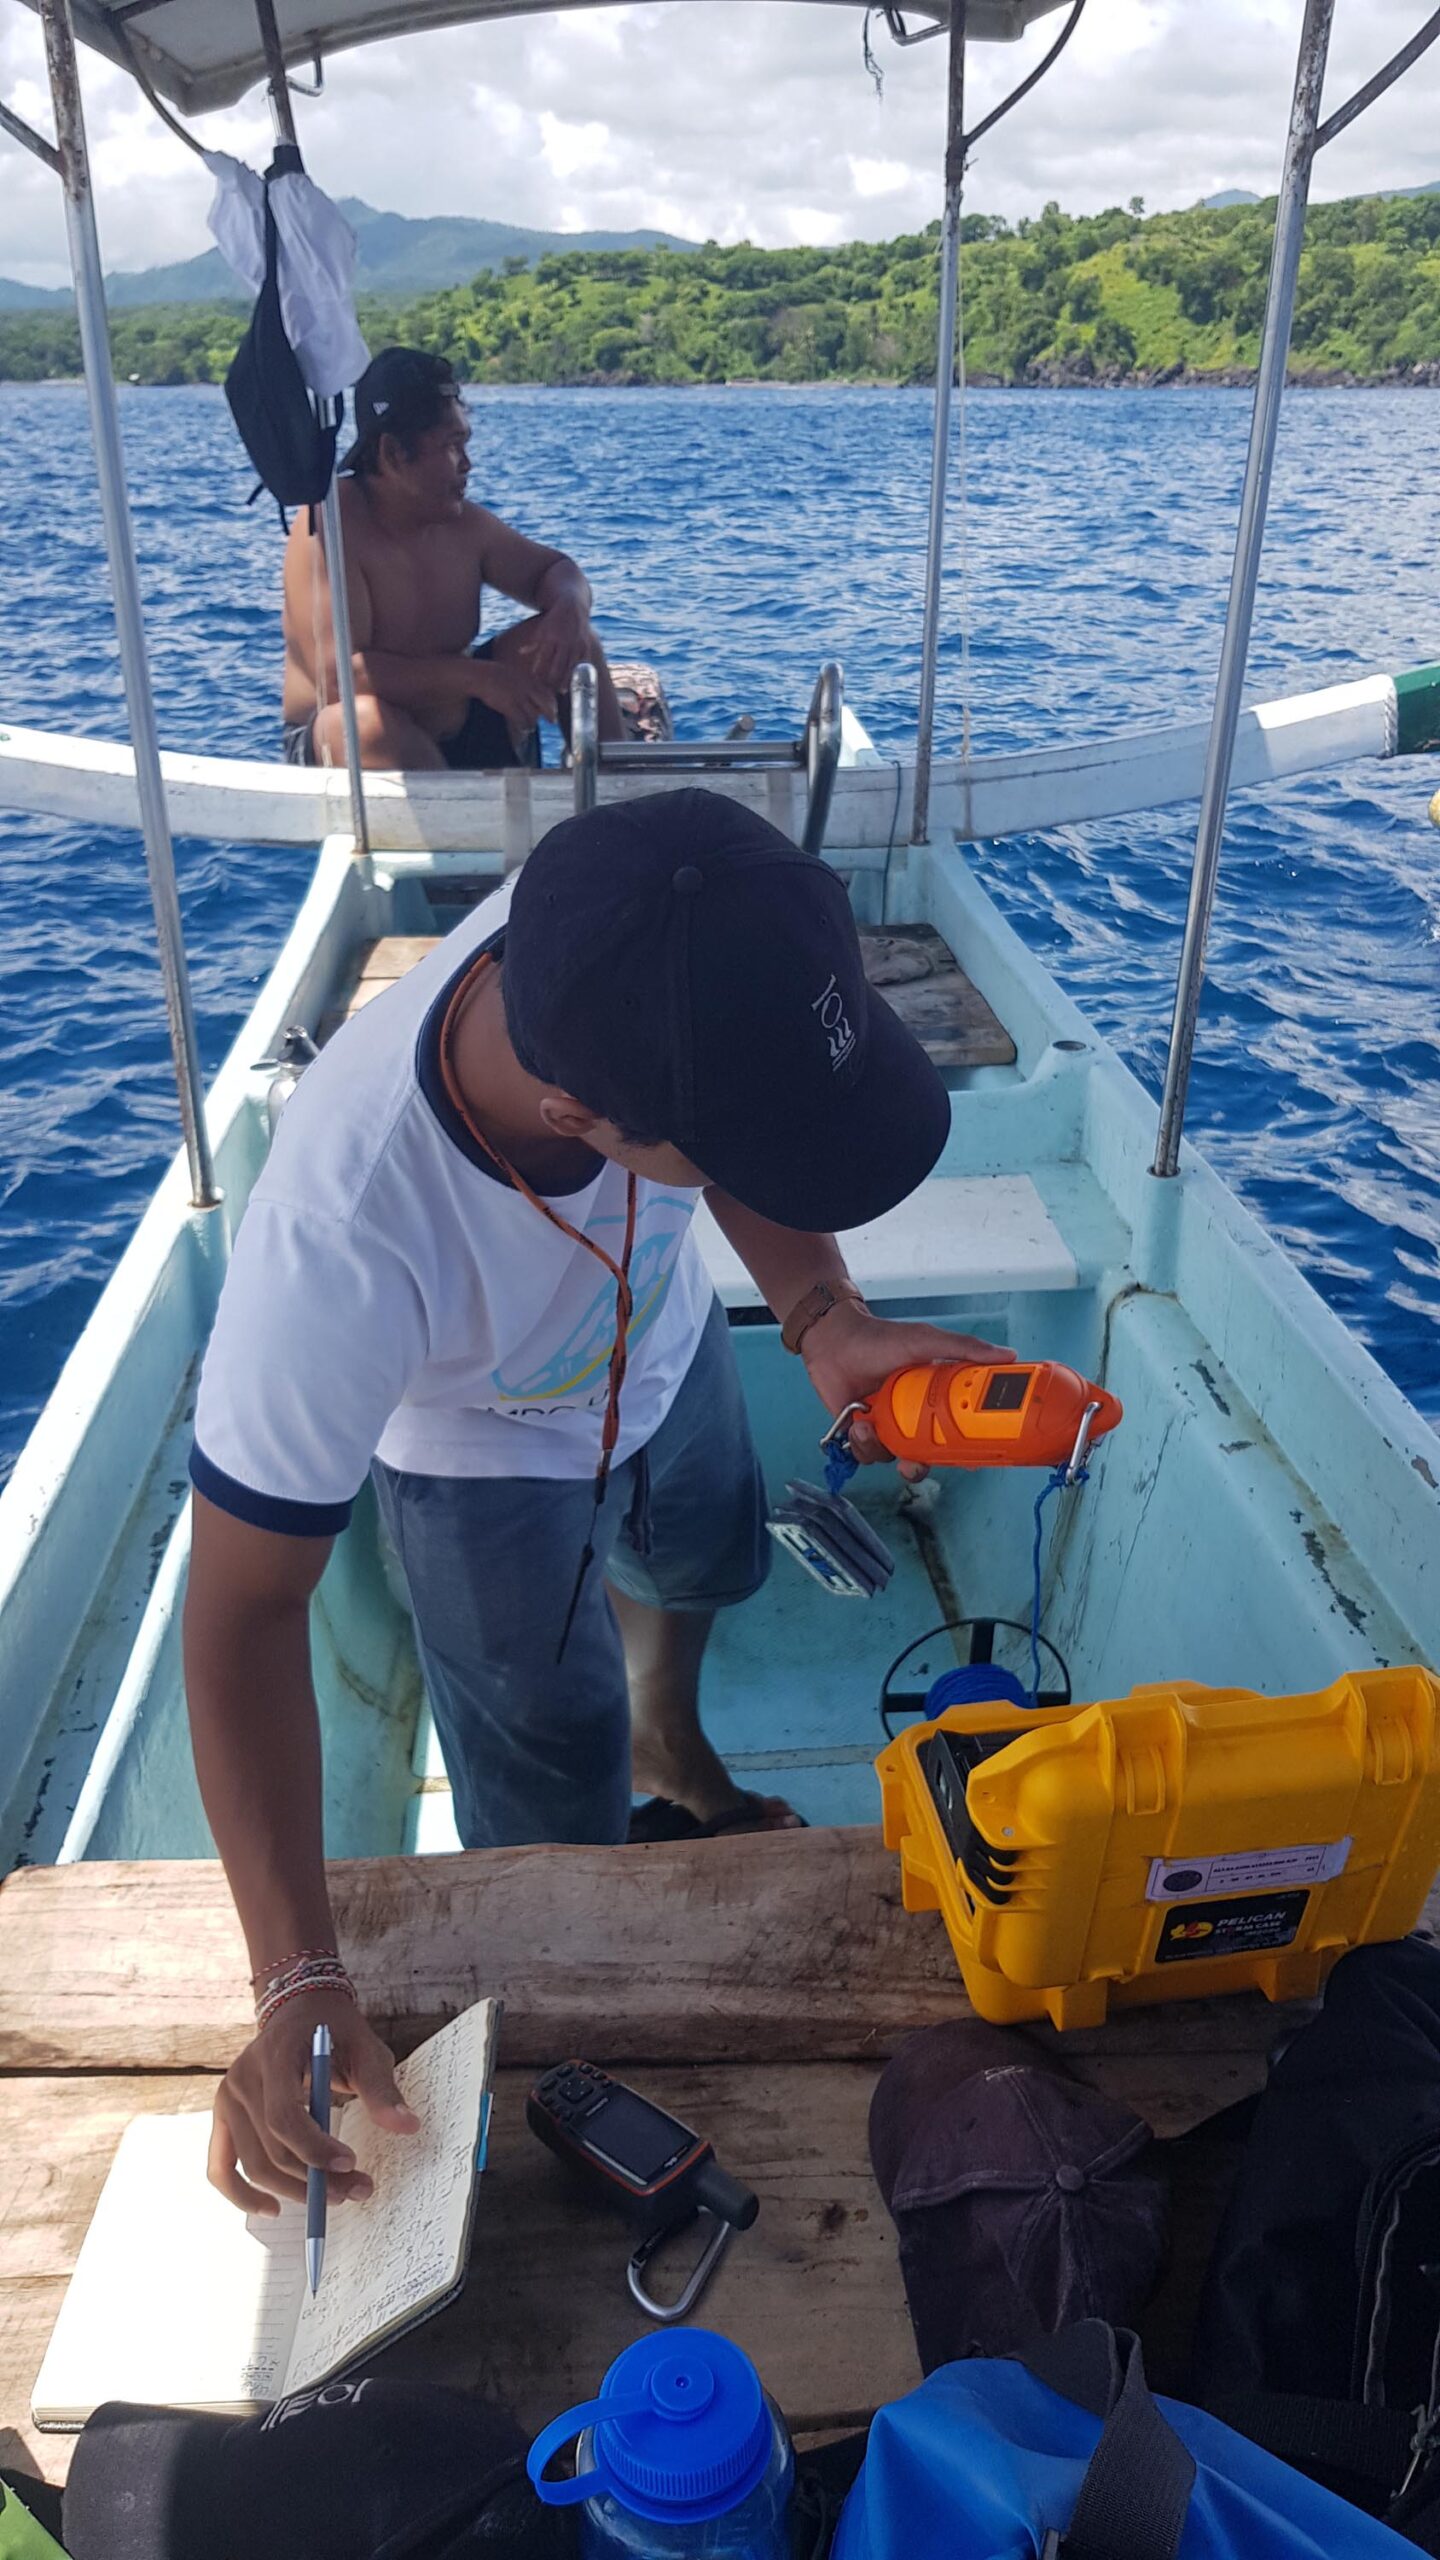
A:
[1135,2496]
[1373,2445]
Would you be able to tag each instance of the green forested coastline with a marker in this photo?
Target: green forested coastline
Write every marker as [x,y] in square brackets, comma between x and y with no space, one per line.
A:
[1111,297]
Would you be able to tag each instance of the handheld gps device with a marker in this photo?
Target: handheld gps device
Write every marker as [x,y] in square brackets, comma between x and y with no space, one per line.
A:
[646,2164]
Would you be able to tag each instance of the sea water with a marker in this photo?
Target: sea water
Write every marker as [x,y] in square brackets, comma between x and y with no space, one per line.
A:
[737,538]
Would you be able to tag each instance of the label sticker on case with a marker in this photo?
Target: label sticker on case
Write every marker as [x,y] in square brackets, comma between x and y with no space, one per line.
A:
[1246,1870]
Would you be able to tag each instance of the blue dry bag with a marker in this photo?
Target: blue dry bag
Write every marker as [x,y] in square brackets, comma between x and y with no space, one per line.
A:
[1066,2456]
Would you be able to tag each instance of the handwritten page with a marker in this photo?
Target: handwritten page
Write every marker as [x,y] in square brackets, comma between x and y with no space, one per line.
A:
[179,2300]
[388,2260]
[176,2297]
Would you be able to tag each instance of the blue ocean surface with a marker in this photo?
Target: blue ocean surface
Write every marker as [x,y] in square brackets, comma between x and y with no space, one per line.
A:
[738,537]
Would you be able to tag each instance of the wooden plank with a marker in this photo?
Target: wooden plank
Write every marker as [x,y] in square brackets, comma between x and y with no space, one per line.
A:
[780,1947]
[922,981]
[918,973]
[393,953]
[376,965]
[813,2293]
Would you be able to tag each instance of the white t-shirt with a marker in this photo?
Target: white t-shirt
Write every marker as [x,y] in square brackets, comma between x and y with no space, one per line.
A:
[390,1294]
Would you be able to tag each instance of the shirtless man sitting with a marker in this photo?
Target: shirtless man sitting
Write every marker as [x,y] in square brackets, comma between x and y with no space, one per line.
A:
[417,557]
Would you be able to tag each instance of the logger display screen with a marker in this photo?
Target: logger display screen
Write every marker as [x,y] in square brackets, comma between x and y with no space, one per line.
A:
[1006,1391]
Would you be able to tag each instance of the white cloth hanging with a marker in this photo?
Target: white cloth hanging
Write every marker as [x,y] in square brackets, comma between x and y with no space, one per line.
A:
[316,265]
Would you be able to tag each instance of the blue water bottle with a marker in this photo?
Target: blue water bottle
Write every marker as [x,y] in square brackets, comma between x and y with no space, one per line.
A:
[682,2457]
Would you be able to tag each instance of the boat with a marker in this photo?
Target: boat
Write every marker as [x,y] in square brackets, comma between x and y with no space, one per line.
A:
[1267,1516]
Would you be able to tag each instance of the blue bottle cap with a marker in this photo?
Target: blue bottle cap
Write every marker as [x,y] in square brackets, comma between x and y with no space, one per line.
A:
[681,2432]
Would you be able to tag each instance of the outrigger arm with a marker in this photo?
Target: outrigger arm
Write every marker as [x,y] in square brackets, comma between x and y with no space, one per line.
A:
[69,157]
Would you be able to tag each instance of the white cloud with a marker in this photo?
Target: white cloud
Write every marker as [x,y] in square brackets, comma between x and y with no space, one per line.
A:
[877,177]
[742,119]
[573,148]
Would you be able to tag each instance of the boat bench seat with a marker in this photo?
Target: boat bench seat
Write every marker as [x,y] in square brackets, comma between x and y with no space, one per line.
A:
[959,1236]
[920,976]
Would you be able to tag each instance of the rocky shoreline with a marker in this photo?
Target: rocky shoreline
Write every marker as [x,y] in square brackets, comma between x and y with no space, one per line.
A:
[1080,372]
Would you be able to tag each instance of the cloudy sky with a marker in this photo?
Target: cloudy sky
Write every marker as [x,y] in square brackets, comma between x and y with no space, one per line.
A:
[741,119]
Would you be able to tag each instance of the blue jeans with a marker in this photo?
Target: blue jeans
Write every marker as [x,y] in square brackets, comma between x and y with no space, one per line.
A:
[538,1749]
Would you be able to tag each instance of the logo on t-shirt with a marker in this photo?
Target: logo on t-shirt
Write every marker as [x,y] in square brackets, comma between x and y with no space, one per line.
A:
[578,1368]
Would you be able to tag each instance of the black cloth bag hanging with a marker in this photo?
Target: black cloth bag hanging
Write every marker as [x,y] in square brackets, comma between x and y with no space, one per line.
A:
[290,449]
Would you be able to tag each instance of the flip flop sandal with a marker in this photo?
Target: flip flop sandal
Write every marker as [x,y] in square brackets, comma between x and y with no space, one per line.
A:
[756,1814]
[658,1819]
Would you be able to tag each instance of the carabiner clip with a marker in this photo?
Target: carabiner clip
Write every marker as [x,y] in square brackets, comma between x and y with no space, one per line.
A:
[1078,1454]
[695,2283]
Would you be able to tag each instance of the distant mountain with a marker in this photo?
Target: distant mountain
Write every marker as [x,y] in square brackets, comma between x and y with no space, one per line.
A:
[31,297]
[395,254]
[1243,195]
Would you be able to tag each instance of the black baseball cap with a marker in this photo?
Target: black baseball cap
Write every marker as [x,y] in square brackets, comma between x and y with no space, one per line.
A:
[402,391]
[682,968]
[1022,2199]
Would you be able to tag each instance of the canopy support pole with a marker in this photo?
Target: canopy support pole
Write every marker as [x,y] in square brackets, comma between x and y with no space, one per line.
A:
[940,436]
[124,578]
[1250,535]
[333,541]
[345,663]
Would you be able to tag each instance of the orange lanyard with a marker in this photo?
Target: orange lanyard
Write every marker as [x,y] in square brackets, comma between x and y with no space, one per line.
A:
[619,1271]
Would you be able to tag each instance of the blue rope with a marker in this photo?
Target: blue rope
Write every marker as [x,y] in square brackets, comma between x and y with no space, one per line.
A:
[1055,1485]
[840,1466]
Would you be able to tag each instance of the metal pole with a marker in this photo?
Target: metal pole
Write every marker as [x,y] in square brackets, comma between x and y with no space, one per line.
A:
[940,436]
[1250,534]
[585,735]
[345,661]
[334,532]
[124,579]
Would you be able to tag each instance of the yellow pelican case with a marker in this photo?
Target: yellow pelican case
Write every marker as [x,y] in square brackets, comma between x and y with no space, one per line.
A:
[1165,1846]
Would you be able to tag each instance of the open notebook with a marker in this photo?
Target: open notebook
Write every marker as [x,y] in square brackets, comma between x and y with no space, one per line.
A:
[180,2300]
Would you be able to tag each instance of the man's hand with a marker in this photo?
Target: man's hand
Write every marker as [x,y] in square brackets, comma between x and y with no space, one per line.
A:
[512,687]
[557,641]
[265,2138]
[848,1353]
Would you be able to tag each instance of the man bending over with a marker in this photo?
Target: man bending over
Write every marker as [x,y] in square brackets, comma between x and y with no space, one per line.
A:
[418,557]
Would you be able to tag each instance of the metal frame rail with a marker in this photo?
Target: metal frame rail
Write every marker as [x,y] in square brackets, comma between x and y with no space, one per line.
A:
[333,531]
[817,749]
[1307,135]
[940,432]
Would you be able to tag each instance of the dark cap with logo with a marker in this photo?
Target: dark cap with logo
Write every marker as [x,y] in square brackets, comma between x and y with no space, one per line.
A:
[681,968]
[402,391]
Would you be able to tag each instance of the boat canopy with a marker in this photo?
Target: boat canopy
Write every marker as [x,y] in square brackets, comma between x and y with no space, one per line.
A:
[206,53]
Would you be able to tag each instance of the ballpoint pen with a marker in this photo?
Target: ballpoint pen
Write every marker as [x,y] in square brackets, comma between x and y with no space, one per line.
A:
[315,2178]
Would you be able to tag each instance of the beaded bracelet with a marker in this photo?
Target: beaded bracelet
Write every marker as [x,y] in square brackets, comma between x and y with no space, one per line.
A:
[321,1972]
[270,2008]
[298,1955]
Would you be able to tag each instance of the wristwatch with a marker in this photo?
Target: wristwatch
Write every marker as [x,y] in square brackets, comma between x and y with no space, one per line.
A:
[817,1302]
